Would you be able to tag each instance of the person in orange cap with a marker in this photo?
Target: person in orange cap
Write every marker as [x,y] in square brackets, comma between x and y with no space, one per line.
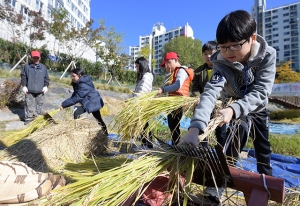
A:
[181,78]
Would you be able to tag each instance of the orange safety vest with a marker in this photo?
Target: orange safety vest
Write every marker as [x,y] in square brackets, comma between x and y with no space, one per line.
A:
[184,90]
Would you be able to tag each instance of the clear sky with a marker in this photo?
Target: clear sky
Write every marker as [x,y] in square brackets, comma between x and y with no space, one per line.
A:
[136,18]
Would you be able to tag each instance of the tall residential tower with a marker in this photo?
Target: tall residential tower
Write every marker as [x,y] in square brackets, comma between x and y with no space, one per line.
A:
[156,40]
[280,27]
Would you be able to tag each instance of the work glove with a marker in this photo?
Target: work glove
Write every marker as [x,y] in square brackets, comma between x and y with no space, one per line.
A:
[45,89]
[25,90]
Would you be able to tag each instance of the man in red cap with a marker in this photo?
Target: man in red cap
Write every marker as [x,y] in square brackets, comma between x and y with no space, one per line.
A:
[181,78]
[35,82]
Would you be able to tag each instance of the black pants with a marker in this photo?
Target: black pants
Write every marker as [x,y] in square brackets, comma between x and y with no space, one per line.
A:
[257,126]
[146,138]
[174,124]
[80,110]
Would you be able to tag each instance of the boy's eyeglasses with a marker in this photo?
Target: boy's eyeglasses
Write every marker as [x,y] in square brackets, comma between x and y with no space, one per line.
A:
[235,47]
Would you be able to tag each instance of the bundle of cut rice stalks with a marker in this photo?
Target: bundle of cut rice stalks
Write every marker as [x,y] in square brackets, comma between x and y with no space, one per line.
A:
[131,121]
[54,145]
[9,138]
[130,180]
[115,186]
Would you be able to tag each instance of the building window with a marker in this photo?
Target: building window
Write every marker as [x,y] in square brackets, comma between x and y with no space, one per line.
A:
[286,33]
[269,37]
[293,20]
[276,48]
[58,5]
[286,14]
[286,27]
[295,65]
[294,39]
[269,43]
[287,46]
[286,8]
[294,26]
[268,31]
[294,13]
[268,13]
[295,58]
[49,14]
[275,35]
[275,11]
[294,7]
[295,52]
[274,17]
[269,25]
[295,45]
[286,20]
[294,33]
[274,23]
[275,29]
[287,39]
[286,53]
[268,19]
[12,3]
[275,41]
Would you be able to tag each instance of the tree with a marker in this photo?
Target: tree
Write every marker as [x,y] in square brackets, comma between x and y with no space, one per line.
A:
[284,74]
[189,51]
[75,41]
[145,52]
[110,50]
[27,27]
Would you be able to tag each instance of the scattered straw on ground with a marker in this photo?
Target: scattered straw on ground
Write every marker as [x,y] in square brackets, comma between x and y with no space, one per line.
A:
[114,105]
[57,144]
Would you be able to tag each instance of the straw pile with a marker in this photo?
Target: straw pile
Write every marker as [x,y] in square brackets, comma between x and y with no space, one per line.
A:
[11,137]
[51,147]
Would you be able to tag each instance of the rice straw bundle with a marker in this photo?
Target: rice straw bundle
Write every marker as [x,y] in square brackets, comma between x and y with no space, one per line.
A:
[115,186]
[148,107]
[292,197]
[104,111]
[57,144]
[12,137]
[90,167]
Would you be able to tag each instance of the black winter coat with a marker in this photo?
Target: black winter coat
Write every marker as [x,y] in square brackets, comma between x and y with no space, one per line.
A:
[86,94]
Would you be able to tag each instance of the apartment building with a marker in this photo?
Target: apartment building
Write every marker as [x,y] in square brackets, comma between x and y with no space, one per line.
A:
[280,27]
[78,14]
[156,40]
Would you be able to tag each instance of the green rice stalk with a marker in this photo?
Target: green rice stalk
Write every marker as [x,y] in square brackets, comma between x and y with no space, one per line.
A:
[130,121]
[115,186]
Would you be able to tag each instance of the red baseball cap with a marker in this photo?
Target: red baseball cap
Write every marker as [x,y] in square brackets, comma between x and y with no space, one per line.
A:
[35,54]
[169,55]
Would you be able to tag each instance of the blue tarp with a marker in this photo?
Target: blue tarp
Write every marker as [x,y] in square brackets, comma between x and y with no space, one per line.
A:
[285,167]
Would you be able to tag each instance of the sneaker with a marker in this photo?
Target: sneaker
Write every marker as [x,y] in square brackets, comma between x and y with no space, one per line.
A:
[27,121]
[213,194]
